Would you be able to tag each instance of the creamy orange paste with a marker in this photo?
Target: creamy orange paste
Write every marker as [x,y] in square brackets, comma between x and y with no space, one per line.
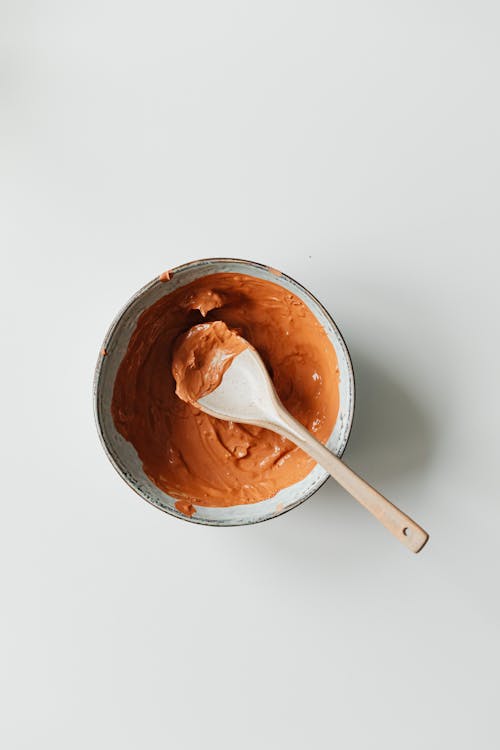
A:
[201,357]
[200,460]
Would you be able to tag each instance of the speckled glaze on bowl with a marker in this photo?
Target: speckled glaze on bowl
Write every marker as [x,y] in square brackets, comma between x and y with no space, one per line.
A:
[122,454]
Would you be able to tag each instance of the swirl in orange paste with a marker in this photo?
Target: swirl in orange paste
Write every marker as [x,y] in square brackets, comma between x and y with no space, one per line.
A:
[196,458]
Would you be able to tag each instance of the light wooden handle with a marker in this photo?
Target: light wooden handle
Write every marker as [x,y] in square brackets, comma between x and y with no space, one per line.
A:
[398,523]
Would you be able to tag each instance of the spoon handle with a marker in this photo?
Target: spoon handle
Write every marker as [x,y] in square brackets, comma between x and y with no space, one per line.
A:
[398,523]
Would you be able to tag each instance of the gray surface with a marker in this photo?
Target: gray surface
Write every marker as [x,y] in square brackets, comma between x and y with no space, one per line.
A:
[354,145]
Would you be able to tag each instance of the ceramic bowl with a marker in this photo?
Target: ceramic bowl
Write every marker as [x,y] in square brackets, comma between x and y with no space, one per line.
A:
[122,454]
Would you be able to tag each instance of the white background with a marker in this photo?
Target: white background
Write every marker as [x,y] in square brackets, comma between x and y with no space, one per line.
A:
[354,145]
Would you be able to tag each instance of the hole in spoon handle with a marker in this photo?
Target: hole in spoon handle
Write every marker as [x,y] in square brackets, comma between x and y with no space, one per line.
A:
[413,536]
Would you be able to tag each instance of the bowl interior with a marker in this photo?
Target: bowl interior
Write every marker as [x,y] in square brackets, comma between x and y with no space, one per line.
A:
[122,454]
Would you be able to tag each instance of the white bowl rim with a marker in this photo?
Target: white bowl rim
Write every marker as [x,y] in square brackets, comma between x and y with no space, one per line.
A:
[109,334]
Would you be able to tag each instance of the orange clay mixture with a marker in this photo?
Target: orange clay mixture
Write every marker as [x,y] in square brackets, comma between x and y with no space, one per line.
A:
[201,357]
[201,460]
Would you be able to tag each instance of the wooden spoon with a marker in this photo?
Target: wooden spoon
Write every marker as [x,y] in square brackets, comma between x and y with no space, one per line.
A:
[246,394]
